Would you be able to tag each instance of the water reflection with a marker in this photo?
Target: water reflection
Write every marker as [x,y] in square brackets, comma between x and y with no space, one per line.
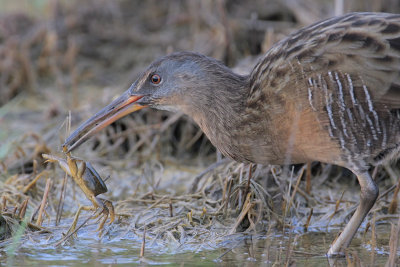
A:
[290,249]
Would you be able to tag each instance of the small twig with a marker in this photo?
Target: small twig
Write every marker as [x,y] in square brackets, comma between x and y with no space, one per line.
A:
[171,214]
[375,172]
[390,189]
[289,250]
[22,209]
[393,204]
[373,240]
[43,204]
[4,205]
[226,252]
[34,168]
[392,172]
[196,180]
[295,189]
[246,207]
[224,190]
[308,178]
[228,197]
[393,244]
[142,248]
[308,220]
[155,204]
[61,201]
[336,208]
[33,182]
[14,211]
[247,189]
[58,243]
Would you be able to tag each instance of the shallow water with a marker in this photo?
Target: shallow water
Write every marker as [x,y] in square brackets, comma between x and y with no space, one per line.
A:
[122,247]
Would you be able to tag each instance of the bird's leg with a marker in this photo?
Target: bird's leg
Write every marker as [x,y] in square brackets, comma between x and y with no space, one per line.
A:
[369,193]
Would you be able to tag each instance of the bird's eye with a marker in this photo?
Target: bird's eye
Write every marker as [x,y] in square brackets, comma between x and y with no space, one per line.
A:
[155,79]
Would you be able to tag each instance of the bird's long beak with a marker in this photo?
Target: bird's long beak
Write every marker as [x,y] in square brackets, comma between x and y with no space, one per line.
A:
[118,108]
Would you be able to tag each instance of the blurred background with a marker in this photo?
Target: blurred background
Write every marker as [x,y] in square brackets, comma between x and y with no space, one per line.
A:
[61,56]
[70,43]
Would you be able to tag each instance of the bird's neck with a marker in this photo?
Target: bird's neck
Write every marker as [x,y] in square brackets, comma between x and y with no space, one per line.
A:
[219,109]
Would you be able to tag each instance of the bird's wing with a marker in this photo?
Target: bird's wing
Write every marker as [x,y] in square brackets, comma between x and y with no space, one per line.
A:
[358,51]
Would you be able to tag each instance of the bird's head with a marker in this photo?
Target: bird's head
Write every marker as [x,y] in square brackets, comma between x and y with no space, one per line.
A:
[172,81]
[178,81]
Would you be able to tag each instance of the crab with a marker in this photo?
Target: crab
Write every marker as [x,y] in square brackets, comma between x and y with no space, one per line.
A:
[90,182]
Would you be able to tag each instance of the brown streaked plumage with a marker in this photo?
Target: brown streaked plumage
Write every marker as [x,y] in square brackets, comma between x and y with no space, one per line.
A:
[329,92]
